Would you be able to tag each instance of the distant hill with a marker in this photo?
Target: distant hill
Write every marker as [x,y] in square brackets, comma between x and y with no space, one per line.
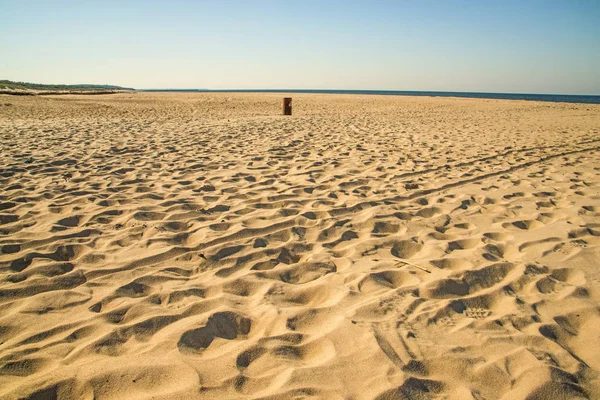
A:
[10,87]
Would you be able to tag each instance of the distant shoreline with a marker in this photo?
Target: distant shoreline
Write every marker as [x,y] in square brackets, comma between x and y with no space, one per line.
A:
[60,92]
[554,98]
[41,89]
[107,89]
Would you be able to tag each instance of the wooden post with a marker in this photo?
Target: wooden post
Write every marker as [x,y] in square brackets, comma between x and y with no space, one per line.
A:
[287,106]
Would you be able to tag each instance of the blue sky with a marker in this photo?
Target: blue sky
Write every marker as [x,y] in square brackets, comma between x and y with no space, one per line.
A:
[495,46]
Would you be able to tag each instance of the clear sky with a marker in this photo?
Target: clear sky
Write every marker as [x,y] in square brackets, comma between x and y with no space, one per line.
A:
[531,46]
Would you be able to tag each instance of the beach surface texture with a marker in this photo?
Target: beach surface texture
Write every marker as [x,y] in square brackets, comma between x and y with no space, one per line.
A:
[191,246]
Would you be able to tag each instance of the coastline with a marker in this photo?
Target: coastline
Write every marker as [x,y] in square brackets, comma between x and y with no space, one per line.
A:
[59,92]
[554,98]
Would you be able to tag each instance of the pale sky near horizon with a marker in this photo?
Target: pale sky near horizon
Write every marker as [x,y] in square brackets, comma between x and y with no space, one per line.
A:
[530,46]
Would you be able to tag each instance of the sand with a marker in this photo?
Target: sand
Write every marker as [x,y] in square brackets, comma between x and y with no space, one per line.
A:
[182,246]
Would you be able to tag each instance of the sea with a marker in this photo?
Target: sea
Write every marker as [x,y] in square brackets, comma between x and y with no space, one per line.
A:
[557,98]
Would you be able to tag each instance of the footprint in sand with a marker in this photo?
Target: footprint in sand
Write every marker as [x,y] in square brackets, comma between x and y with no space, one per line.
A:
[477,313]
[225,325]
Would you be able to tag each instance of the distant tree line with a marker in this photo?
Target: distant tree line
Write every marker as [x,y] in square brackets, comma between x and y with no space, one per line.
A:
[6,84]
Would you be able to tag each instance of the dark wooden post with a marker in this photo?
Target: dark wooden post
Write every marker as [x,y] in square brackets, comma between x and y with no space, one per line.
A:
[287,106]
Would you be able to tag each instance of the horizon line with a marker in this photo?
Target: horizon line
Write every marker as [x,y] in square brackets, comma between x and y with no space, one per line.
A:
[362,90]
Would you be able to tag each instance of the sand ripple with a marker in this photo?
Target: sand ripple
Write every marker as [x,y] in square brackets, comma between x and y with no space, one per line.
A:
[203,246]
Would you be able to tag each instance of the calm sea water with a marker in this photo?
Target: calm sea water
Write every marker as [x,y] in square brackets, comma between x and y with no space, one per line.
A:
[566,98]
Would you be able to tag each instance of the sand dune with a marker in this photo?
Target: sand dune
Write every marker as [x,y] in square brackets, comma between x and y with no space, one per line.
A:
[203,246]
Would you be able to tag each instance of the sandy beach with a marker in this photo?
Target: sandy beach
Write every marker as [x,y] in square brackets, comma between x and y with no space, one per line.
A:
[196,246]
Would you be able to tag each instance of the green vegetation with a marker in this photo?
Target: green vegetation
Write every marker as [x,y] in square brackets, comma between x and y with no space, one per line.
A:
[10,85]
